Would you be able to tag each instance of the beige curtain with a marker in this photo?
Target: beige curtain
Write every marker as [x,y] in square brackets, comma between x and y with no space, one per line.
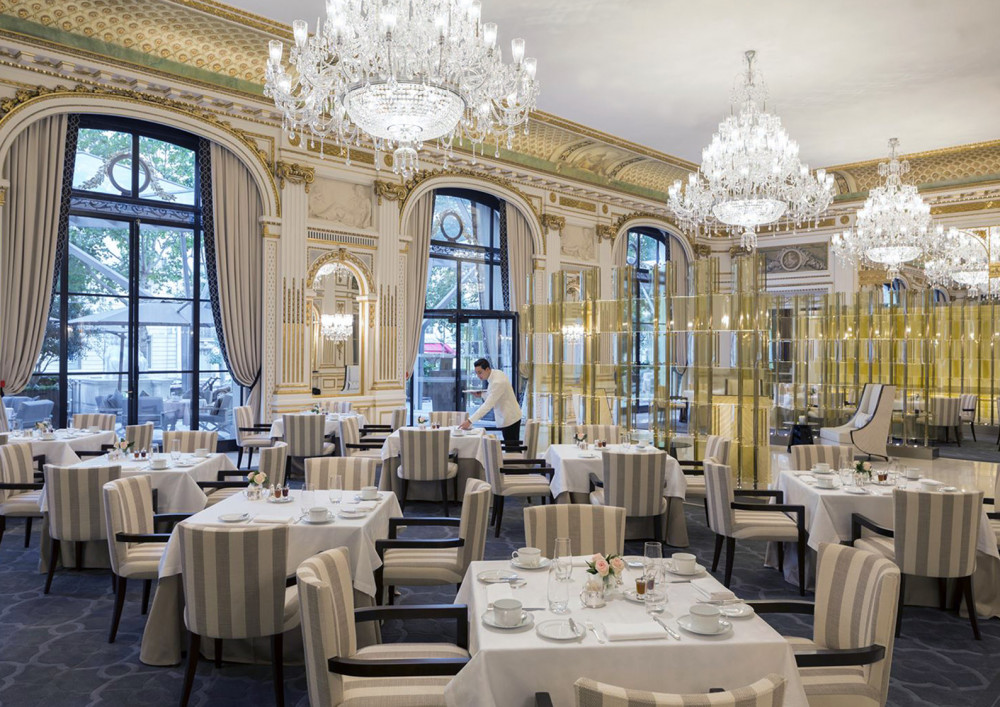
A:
[520,252]
[419,229]
[236,214]
[30,222]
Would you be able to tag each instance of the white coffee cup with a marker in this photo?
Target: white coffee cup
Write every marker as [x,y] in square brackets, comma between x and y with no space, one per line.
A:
[527,556]
[158,463]
[912,473]
[201,452]
[507,612]
[821,467]
[824,482]
[369,493]
[684,562]
[705,617]
[317,514]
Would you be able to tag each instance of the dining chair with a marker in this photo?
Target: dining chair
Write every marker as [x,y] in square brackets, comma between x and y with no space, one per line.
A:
[134,545]
[236,587]
[969,402]
[74,500]
[591,529]
[769,691]
[526,448]
[3,438]
[635,482]
[523,481]
[731,520]
[609,433]
[717,451]
[806,456]
[378,432]
[351,444]
[449,418]
[933,535]
[191,440]
[429,562]
[946,413]
[105,422]
[390,675]
[340,406]
[848,659]
[994,516]
[425,456]
[306,438]
[355,473]
[20,486]
[249,436]
[230,482]
[140,436]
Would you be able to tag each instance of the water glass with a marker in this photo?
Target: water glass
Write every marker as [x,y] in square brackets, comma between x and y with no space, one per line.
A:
[175,450]
[652,564]
[558,593]
[308,497]
[656,599]
[846,476]
[336,489]
[562,558]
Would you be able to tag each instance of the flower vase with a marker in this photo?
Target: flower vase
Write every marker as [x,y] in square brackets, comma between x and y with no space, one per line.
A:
[594,594]
[612,588]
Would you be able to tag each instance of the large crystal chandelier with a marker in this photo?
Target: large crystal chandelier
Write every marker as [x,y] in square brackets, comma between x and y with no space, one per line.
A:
[750,173]
[337,327]
[399,73]
[892,227]
[962,259]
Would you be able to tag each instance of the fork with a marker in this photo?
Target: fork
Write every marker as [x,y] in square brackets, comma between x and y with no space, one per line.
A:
[590,627]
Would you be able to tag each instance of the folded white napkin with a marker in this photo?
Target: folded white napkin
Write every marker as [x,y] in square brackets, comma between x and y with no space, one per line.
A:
[710,590]
[276,520]
[496,592]
[367,505]
[633,631]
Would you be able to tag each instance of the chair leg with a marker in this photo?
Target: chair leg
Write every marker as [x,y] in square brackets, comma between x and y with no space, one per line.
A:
[493,511]
[53,559]
[250,458]
[802,565]
[146,586]
[114,583]
[943,593]
[972,426]
[730,550]
[3,526]
[218,652]
[239,457]
[79,555]
[970,606]
[899,605]
[444,496]
[958,435]
[119,604]
[403,487]
[781,556]
[498,512]
[718,552]
[194,646]
[27,531]
[391,594]
[278,661]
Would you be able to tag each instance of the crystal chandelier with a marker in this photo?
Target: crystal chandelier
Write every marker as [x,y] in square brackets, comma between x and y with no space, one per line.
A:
[337,327]
[960,258]
[750,173]
[397,74]
[572,333]
[892,227]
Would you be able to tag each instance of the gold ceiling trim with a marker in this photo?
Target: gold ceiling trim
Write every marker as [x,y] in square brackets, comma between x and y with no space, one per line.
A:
[937,152]
[239,16]
[962,208]
[348,260]
[579,204]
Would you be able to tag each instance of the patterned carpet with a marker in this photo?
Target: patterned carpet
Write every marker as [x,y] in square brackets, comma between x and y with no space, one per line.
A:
[54,650]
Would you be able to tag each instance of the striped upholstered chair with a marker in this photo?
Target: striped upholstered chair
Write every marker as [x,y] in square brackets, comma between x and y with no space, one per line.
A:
[235,587]
[351,444]
[106,422]
[969,403]
[523,481]
[231,482]
[425,456]
[20,486]
[378,432]
[717,451]
[731,520]
[635,482]
[355,473]
[589,528]
[994,515]
[946,413]
[847,661]
[609,433]
[933,535]
[526,448]
[340,406]
[75,508]
[805,456]
[333,659]
[190,440]
[449,418]
[140,436]
[305,436]
[249,436]
[769,691]
[418,562]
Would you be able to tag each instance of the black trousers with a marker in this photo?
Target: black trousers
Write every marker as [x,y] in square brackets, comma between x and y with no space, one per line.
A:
[512,433]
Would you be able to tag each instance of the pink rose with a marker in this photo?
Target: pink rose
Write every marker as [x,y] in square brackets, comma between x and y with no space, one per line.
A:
[602,567]
[618,564]
[596,556]
[260,479]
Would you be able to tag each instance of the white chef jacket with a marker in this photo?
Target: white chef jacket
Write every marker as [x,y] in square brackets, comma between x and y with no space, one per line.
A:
[500,398]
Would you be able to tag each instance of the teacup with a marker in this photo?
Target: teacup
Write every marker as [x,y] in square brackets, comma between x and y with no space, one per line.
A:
[642,443]
[158,463]
[821,467]
[369,493]
[684,562]
[824,482]
[507,612]
[705,617]
[912,473]
[317,514]
[527,556]
[201,452]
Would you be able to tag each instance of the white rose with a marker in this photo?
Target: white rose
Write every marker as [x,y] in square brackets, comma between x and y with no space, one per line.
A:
[260,478]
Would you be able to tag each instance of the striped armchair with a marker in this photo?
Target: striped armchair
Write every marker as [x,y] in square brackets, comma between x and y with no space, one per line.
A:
[140,436]
[449,418]
[635,482]
[351,444]
[20,486]
[355,473]
[191,440]
[769,691]
[609,433]
[398,418]
[969,404]
[413,562]
[425,456]
[231,482]
[234,583]
[333,659]
[75,507]
[305,436]
[590,529]
[946,413]
[340,406]
[717,451]
[933,535]
[847,661]
[249,436]
[106,422]
[526,448]
[523,480]
[806,456]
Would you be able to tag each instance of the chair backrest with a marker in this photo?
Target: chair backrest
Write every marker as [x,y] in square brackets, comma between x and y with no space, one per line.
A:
[718,448]
[15,466]
[326,605]
[128,508]
[398,418]
[3,437]
[355,473]
[448,418]
[590,528]
[719,497]
[82,421]
[472,525]
[609,433]
[272,462]
[349,434]
[531,439]
[856,602]
[75,501]
[946,412]
[769,691]
[969,402]
[935,533]
[805,456]
[140,436]
[191,440]
[635,481]
[243,415]
[340,406]
[493,450]
[304,434]
[234,580]
[423,454]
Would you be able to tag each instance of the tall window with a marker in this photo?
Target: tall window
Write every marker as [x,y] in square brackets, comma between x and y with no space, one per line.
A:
[131,330]
[466,309]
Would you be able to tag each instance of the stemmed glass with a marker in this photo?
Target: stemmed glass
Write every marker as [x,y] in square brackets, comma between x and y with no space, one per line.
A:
[562,559]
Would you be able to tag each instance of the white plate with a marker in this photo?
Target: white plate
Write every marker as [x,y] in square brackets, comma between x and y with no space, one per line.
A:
[275,499]
[948,489]
[233,517]
[633,596]
[329,519]
[635,561]
[736,611]
[497,576]
[685,623]
[527,621]
[855,490]
[542,564]
[559,630]
[588,455]
[186,462]
[698,569]
[353,514]
[358,498]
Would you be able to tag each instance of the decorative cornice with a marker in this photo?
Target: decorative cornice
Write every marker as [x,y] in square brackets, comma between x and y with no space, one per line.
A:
[868,276]
[962,208]
[416,180]
[572,203]
[701,250]
[294,173]
[606,232]
[342,256]
[390,191]
[551,222]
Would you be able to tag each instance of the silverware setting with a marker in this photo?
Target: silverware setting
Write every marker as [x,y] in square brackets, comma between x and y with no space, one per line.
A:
[670,632]
[590,627]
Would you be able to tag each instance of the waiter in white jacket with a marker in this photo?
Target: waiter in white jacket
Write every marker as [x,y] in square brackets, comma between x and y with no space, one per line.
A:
[500,398]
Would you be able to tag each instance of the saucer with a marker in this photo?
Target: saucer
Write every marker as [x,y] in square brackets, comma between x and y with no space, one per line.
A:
[233,517]
[542,564]
[329,519]
[698,569]
[633,596]
[352,514]
[685,623]
[275,499]
[855,490]
[948,489]
[186,462]
[527,621]
[736,611]
[497,577]
[358,498]
[559,630]
[588,455]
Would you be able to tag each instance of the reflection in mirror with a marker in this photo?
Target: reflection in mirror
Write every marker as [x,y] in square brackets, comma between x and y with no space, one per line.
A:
[335,351]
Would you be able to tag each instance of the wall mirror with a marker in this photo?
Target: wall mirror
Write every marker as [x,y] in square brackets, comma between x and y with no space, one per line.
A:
[336,354]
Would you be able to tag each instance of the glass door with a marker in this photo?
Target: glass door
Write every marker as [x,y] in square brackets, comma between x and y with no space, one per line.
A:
[491,338]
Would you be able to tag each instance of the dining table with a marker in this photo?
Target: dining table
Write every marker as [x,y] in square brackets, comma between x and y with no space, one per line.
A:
[467,445]
[508,666]
[162,638]
[573,468]
[61,449]
[330,427]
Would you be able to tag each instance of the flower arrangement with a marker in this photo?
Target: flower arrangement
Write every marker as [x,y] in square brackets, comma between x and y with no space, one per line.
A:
[580,437]
[257,478]
[862,467]
[42,426]
[316,409]
[123,445]
[608,568]
[422,420]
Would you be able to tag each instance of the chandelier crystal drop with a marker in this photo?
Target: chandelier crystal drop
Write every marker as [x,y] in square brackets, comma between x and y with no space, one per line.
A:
[893,226]
[397,74]
[750,173]
[337,327]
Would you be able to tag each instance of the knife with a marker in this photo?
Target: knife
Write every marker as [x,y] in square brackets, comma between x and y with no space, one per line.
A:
[670,632]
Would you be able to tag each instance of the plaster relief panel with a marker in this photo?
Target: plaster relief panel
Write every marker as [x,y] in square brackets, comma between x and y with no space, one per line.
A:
[578,242]
[342,203]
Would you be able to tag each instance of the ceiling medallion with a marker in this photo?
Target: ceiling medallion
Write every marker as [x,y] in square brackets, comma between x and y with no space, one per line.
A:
[397,74]
[750,173]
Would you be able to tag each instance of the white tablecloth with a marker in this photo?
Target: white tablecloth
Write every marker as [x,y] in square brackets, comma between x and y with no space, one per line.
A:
[62,451]
[331,427]
[469,445]
[508,668]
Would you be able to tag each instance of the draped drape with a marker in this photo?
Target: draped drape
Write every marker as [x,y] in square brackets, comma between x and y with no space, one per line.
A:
[233,242]
[419,229]
[34,169]
[520,252]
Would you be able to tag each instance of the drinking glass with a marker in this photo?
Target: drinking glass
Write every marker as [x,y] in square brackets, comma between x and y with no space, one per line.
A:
[336,489]
[308,497]
[16,427]
[652,565]
[562,558]
[175,450]
[558,593]
[656,599]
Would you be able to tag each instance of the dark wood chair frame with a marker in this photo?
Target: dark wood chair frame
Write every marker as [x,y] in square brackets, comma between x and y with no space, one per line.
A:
[35,485]
[394,542]
[518,467]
